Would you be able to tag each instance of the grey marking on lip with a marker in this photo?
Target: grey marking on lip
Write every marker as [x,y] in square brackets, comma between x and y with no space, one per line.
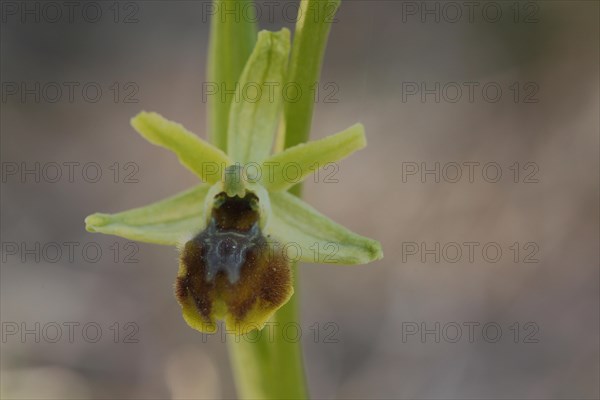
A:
[226,250]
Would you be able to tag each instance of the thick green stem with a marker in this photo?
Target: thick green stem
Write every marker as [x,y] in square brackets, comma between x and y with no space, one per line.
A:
[308,49]
[271,367]
[231,42]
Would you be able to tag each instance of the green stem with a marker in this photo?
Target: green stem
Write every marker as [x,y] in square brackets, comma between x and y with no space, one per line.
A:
[271,367]
[308,49]
[231,43]
[268,364]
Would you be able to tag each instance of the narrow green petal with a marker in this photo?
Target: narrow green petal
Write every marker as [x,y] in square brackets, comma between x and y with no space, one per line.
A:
[285,169]
[231,42]
[200,157]
[254,112]
[309,236]
[169,221]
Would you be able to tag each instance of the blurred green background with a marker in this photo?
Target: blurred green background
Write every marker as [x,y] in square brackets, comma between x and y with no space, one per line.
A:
[385,330]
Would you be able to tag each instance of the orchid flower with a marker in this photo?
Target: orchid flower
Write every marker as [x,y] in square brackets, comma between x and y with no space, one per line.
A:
[240,229]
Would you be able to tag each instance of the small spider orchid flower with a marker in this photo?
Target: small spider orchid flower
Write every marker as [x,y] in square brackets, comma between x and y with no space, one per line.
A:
[236,230]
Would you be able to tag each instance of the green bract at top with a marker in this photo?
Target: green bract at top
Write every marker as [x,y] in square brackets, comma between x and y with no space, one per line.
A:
[247,210]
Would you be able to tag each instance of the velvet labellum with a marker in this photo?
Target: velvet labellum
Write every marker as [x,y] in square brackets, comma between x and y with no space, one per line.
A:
[229,271]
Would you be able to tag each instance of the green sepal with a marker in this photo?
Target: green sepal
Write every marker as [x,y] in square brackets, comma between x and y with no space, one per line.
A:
[169,222]
[253,116]
[197,155]
[309,236]
[308,157]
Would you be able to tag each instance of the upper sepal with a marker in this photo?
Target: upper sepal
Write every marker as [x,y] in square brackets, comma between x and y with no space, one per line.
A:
[257,104]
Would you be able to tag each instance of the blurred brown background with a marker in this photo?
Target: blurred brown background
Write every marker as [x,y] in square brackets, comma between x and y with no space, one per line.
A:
[368,331]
